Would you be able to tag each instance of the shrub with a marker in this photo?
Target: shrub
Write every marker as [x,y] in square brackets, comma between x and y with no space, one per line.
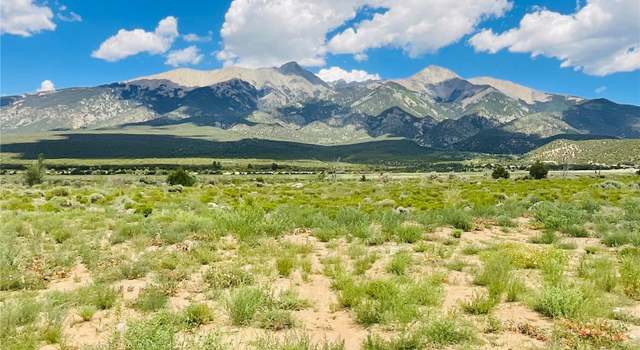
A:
[157,333]
[601,271]
[151,299]
[457,218]
[181,177]
[101,296]
[245,303]
[275,319]
[445,331]
[538,170]
[560,302]
[285,265]
[500,173]
[86,312]
[479,304]
[196,314]
[228,277]
[34,173]
[399,263]
[630,275]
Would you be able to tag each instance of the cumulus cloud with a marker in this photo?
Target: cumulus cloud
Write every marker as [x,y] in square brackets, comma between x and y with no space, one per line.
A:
[126,43]
[46,85]
[24,18]
[337,73]
[260,33]
[600,38]
[417,26]
[189,55]
[269,33]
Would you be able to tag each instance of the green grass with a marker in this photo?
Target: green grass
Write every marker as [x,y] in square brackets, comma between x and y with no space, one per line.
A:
[234,243]
[244,304]
[399,263]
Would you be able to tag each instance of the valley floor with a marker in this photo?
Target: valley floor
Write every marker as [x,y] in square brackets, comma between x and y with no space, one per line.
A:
[286,262]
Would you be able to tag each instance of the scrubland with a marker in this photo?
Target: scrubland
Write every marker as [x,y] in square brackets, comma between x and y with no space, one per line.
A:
[274,262]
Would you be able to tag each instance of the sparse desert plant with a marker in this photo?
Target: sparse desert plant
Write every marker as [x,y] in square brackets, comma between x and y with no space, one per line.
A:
[151,299]
[245,303]
[560,302]
[156,333]
[601,271]
[399,263]
[480,304]
[99,295]
[195,315]
[630,275]
[275,319]
[457,218]
[221,277]
[86,312]
[285,265]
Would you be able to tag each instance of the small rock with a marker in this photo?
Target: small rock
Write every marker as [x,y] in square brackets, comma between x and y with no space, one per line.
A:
[297,185]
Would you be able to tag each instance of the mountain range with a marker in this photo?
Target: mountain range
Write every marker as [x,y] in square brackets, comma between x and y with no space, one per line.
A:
[434,108]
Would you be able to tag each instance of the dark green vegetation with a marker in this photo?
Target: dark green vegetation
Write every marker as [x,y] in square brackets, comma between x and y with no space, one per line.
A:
[538,170]
[181,177]
[500,173]
[34,173]
[306,262]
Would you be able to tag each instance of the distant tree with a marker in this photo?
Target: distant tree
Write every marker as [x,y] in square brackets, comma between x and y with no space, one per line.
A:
[216,166]
[638,172]
[181,177]
[249,166]
[500,173]
[274,166]
[34,173]
[363,178]
[538,170]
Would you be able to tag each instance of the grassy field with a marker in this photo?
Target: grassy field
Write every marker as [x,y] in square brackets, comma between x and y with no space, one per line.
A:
[421,261]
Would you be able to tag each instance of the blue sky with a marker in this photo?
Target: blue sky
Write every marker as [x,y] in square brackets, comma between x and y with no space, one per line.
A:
[61,44]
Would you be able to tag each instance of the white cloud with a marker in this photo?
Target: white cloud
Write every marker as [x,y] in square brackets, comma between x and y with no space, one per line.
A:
[71,17]
[46,85]
[132,42]
[189,55]
[271,32]
[601,38]
[192,37]
[260,33]
[600,90]
[417,26]
[24,18]
[337,73]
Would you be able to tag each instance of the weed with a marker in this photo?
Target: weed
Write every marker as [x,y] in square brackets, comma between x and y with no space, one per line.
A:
[195,315]
[245,303]
[399,263]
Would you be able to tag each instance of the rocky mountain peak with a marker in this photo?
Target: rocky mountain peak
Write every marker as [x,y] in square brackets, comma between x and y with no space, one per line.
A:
[434,75]
[293,68]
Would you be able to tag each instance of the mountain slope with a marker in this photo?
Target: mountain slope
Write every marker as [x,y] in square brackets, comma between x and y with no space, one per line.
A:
[434,108]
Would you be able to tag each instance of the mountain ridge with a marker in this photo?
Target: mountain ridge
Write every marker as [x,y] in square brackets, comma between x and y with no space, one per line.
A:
[435,108]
